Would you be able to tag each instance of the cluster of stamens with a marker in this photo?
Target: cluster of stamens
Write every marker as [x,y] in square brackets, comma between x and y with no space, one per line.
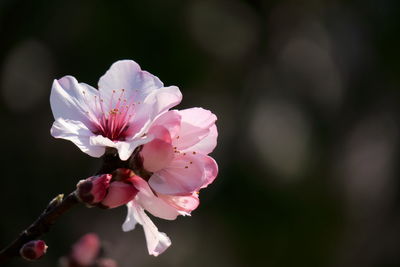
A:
[112,123]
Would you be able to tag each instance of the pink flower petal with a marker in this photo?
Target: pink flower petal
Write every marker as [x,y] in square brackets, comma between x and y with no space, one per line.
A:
[79,134]
[186,174]
[207,144]
[68,100]
[157,102]
[119,193]
[130,221]
[125,148]
[167,98]
[210,171]
[185,204]
[157,242]
[160,132]
[156,155]
[195,125]
[127,75]
[140,86]
[170,120]
[150,202]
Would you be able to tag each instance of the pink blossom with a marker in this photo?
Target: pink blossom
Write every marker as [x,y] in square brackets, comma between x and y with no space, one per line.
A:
[177,158]
[117,115]
[182,140]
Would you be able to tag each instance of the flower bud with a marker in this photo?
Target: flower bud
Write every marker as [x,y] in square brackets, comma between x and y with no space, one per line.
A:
[119,193]
[33,250]
[93,189]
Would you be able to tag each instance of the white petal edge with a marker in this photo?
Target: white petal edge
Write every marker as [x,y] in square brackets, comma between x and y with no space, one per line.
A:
[153,204]
[159,101]
[71,100]
[157,242]
[167,98]
[130,221]
[79,134]
[127,75]
[125,149]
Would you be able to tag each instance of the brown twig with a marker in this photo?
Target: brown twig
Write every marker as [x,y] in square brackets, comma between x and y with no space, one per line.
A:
[58,206]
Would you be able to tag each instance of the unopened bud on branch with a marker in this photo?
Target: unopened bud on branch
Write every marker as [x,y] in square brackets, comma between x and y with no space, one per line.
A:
[93,189]
[33,250]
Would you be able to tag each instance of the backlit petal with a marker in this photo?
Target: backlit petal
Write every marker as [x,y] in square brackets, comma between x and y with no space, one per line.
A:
[185,204]
[127,75]
[157,242]
[71,100]
[186,174]
[130,221]
[207,144]
[79,134]
[156,155]
[195,125]
[150,202]
[119,193]
[170,120]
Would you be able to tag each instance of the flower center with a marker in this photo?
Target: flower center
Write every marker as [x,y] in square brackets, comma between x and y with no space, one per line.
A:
[111,120]
[113,125]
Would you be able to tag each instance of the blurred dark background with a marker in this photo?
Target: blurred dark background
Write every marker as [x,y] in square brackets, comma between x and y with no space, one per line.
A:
[307,98]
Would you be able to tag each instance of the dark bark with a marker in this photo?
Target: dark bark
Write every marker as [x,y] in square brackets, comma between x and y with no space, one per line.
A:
[58,206]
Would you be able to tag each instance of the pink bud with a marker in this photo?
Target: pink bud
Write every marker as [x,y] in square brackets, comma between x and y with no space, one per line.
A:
[85,250]
[93,189]
[33,250]
[119,193]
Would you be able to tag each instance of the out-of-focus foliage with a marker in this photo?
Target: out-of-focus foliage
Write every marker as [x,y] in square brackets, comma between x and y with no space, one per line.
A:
[308,100]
